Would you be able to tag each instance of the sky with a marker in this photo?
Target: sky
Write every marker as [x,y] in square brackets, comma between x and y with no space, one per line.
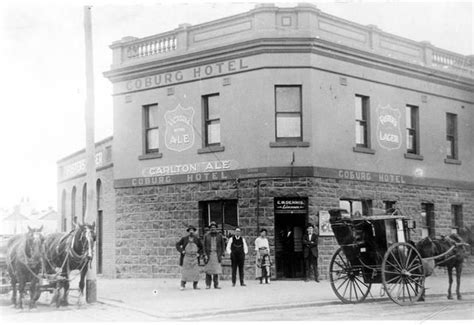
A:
[43,73]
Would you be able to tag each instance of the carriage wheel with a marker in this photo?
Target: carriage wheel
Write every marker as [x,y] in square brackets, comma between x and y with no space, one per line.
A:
[402,274]
[347,281]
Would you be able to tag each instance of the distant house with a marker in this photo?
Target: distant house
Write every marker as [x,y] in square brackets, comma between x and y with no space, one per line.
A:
[49,220]
[15,223]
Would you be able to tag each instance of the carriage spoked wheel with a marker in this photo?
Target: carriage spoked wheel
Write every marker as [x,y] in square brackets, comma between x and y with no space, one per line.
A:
[402,274]
[347,281]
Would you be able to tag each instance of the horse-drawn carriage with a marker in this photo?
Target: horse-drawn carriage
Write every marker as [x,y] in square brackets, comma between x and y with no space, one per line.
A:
[38,263]
[375,249]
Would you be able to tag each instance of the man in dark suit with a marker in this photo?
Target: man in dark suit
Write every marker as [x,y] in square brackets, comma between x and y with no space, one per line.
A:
[288,243]
[310,253]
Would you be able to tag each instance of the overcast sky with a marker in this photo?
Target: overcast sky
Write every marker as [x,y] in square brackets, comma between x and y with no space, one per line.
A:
[43,79]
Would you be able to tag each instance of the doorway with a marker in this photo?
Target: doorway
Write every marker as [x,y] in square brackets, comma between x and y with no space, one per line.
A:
[290,220]
[99,241]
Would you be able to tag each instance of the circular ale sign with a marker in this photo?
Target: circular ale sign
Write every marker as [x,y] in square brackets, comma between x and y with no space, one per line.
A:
[389,135]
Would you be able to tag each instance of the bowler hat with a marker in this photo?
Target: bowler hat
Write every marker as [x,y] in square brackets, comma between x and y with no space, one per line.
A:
[212,224]
[191,227]
[310,225]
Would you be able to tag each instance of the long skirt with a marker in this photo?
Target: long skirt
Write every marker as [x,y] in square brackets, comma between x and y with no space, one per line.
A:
[258,261]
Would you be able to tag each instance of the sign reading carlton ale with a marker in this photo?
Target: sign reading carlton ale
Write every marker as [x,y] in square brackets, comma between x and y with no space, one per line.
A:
[291,205]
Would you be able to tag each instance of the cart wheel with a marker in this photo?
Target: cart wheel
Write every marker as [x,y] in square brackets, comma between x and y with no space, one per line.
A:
[402,274]
[347,281]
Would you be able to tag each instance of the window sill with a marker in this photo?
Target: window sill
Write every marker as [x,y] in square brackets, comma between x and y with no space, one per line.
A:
[150,156]
[413,156]
[288,144]
[211,149]
[452,161]
[363,150]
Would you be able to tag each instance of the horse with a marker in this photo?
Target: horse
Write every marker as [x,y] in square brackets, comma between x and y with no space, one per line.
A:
[24,262]
[449,252]
[65,252]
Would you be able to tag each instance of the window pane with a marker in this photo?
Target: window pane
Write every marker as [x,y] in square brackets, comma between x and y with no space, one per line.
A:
[449,148]
[214,132]
[360,133]
[408,117]
[215,210]
[288,126]
[212,107]
[450,124]
[152,116]
[344,204]
[410,140]
[358,108]
[288,99]
[152,139]
[230,214]
[357,207]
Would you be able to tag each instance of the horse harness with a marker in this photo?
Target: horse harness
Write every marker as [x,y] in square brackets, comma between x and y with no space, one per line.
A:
[449,254]
[71,254]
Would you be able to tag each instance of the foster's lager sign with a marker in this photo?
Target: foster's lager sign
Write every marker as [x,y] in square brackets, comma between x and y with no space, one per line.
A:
[389,135]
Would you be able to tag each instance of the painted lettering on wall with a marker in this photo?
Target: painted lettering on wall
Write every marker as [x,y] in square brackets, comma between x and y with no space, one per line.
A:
[191,168]
[370,176]
[195,73]
[389,134]
[175,179]
[79,167]
[179,134]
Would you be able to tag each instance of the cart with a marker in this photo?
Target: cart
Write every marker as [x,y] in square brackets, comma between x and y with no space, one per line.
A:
[375,249]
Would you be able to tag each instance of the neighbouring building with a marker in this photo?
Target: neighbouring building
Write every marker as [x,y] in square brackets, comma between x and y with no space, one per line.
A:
[267,119]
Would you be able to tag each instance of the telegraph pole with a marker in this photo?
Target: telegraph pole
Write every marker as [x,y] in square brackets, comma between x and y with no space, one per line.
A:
[91,210]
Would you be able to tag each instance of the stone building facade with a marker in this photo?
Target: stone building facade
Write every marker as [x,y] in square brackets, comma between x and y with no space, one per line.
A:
[269,118]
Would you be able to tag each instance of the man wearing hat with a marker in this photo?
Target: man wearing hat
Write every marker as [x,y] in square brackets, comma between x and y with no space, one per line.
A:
[310,253]
[214,251]
[190,248]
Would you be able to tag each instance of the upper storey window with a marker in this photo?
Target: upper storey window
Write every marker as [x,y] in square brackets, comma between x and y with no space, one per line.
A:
[362,125]
[451,136]
[212,120]
[412,126]
[288,113]
[151,135]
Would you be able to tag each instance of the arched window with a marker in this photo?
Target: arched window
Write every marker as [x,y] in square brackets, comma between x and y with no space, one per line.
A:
[84,201]
[63,211]
[73,207]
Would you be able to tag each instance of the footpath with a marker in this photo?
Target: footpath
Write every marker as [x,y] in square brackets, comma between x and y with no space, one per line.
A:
[162,298]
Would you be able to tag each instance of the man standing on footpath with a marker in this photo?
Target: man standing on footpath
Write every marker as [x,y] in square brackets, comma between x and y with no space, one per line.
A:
[237,249]
[310,253]
[190,248]
[213,250]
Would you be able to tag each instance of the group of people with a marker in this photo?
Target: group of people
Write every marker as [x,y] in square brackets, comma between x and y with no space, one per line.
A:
[213,248]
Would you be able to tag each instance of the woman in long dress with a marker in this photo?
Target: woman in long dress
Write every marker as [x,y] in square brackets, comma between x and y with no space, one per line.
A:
[262,247]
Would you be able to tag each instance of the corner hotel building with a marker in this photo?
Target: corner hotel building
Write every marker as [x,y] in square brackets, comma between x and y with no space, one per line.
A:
[267,119]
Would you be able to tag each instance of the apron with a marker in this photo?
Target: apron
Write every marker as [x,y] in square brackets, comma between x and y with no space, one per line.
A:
[213,266]
[190,269]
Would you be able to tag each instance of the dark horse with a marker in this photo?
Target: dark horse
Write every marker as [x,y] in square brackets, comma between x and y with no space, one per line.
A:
[24,262]
[453,249]
[65,252]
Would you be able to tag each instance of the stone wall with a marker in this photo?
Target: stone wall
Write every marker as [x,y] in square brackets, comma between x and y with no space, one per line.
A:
[150,220]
